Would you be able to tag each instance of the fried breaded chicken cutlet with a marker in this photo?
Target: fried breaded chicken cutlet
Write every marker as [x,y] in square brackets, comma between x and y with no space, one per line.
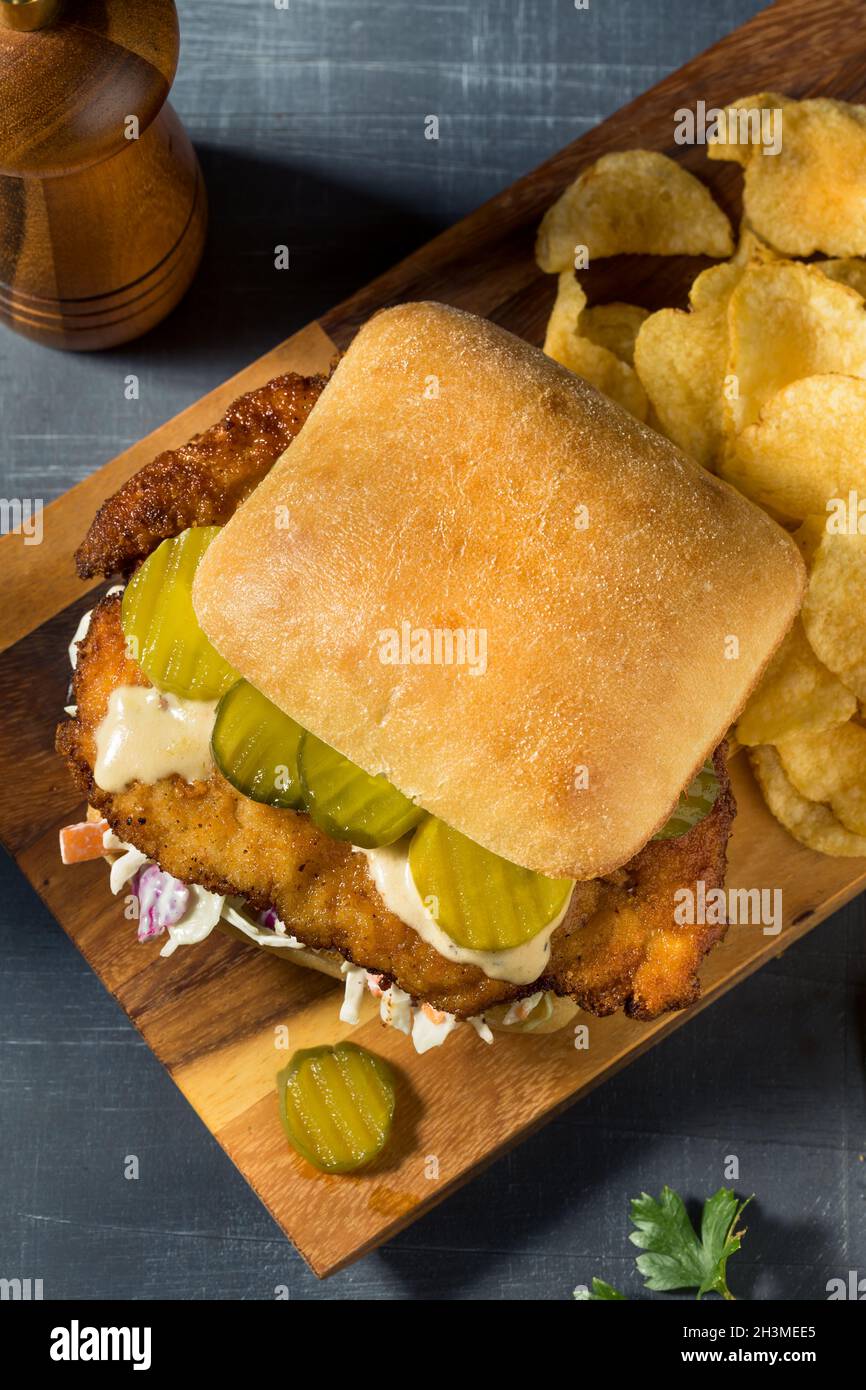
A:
[203,482]
[619,947]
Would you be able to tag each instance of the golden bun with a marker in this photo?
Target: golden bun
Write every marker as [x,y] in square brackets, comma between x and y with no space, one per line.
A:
[454,479]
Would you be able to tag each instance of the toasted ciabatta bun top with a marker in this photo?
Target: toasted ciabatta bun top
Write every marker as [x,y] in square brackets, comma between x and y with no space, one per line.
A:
[456,494]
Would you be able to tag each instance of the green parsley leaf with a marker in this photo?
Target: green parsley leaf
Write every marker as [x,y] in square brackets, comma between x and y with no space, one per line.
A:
[676,1258]
[600,1290]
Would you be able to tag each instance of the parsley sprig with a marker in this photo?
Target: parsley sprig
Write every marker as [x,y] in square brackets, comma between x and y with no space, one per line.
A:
[675,1256]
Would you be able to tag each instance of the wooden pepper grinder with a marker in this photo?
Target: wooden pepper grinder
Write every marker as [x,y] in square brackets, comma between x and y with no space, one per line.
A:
[102,203]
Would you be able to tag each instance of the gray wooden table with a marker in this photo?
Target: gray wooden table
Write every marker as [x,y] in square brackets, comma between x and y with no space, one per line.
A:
[309,123]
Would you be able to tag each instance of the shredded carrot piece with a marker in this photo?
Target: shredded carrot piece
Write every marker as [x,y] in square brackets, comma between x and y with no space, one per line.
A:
[434,1015]
[83,841]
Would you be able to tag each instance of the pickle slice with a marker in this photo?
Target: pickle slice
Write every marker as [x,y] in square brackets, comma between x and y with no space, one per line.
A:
[255,747]
[161,629]
[337,1105]
[347,803]
[481,901]
[696,802]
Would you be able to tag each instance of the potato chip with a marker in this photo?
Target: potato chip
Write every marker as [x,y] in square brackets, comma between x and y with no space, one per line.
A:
[568,306]
[680,360]
[752,249]
[808,537]
[809,196]
[606,373]
[745,130]
[806,446]
[613,326]
[810,822]
[714,287]
[796,694]
[595,364]
[788,321]
[831,767]
[849,270]
[834,606]
[636,201]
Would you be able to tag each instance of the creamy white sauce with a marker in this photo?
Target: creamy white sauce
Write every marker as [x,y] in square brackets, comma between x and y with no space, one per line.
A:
[519,965]
[147,735]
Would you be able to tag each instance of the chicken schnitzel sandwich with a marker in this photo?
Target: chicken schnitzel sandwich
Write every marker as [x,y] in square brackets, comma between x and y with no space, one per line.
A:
[424,674]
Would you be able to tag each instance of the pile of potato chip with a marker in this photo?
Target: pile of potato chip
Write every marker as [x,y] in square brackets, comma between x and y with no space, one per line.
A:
[762,380]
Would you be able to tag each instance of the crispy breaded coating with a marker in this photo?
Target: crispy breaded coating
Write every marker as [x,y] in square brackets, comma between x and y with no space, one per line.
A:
[619,946]
[202,483]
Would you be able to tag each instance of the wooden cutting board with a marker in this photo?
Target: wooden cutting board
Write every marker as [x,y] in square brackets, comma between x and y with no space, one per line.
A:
[215,1014]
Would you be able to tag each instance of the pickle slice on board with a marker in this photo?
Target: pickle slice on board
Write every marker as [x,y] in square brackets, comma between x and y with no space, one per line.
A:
[162,632]
[337,1106]
[255,747]
[696,802]
[481,901]
[347,803]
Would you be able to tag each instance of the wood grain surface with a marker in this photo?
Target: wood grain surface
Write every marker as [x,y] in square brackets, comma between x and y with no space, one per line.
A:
[465,1104]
